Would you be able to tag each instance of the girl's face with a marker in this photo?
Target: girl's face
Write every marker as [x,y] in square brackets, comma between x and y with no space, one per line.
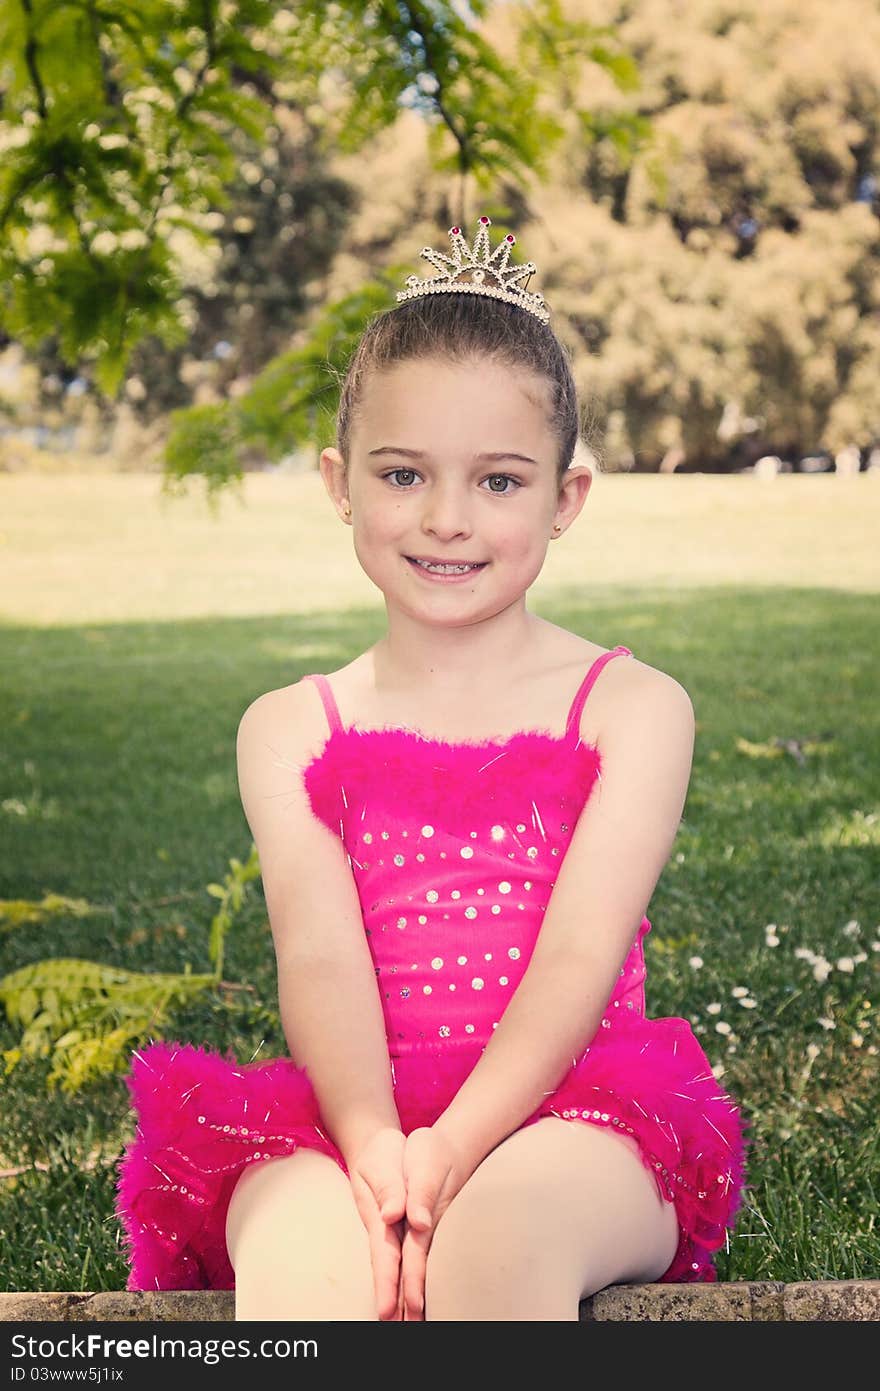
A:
[456,463]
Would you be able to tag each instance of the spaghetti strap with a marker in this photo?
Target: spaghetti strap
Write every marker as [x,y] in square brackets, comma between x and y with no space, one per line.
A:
[330,707]
[577,705]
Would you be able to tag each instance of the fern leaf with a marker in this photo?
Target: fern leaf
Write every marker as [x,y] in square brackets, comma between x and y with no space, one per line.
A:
[85,1014]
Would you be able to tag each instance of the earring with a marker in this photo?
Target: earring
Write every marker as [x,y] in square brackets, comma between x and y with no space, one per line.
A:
[556,527]
[347,509]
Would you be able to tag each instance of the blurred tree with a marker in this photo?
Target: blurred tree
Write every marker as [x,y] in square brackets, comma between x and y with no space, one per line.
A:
[718,286]
[283,227]
[126,127]
[698,183]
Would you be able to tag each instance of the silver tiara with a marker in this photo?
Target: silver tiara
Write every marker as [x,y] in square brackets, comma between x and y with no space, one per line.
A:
[472,270]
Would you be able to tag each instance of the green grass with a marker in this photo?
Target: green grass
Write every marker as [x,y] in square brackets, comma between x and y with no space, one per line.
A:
[117,784]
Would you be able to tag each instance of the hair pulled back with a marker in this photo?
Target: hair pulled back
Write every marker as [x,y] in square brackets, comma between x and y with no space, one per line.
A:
[461,328]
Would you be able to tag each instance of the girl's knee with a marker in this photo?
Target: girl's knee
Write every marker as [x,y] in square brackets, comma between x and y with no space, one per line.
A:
[491,1260]
[297,1243]
[483,1236]
[278,1198]
[552,1215]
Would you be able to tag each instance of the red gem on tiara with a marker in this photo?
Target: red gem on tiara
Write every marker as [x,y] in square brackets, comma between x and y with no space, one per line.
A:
[485,221]
[454,231]
[511,238]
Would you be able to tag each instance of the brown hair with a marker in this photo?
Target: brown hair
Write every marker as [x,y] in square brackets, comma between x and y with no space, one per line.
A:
[459,328]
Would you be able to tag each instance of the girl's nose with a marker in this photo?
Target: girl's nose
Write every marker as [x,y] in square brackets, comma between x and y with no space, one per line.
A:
[445,513]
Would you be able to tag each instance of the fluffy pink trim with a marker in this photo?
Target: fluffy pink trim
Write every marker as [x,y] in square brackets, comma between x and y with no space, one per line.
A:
[202,1118]
[478,780]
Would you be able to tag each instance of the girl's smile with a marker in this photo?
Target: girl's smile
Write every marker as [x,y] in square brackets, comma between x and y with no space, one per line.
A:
[445,572]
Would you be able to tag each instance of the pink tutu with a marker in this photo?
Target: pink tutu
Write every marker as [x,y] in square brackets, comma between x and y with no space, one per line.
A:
[203,1118]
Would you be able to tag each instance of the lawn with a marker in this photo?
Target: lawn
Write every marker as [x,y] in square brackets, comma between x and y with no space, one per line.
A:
[133,633]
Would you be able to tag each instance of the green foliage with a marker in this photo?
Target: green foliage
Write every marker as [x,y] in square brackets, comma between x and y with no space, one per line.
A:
[297,394]
[101,301]
[203,440]
[122,129]
[562,47]
[489,108]
[293,398]
[15,912]
[86,1015]
[231,895]
[114,127]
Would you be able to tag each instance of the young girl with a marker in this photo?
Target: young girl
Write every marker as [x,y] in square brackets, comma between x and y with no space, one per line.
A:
[459,833]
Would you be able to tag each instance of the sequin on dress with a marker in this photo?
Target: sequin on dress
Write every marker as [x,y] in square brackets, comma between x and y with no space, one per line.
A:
[454,848]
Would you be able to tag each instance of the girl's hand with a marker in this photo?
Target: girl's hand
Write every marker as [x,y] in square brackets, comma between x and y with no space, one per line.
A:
[434,1170]
[377,1182]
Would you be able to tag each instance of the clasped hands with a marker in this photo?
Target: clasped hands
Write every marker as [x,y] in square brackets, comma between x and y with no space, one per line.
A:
[402,1185]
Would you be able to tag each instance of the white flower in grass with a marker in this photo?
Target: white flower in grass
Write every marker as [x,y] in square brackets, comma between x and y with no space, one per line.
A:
[738,991]
[826,1022]
[812,1051]
[857,1040]
[804,954]
[695,962]
[747,1002]
[821,969]
[846,963]
[771,940]
[872,1050]
[852,929]
[718,1070]
[714,1008]
[875,946]
[722,1027]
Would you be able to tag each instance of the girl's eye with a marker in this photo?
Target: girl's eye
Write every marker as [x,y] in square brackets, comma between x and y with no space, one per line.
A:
[509,479]
[506,493]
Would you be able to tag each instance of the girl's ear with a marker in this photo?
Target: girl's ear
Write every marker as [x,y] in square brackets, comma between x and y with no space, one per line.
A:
[575,486]
[334,474]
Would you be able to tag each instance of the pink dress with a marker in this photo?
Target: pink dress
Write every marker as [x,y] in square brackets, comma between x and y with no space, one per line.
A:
[454,848]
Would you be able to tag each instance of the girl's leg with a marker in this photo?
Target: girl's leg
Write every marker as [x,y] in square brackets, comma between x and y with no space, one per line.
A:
[557,1211]
[297,1243]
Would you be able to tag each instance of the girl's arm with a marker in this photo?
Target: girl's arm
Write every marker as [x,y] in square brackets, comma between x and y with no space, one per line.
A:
[330,1007]
[618,849]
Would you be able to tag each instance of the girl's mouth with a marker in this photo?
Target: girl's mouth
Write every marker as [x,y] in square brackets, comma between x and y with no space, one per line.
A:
[445,574]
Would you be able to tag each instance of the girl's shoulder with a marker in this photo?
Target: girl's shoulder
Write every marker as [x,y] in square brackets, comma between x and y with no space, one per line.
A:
[292,716]
[624,686]
[539,700]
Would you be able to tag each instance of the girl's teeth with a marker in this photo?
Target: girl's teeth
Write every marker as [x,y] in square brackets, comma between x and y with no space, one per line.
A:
[446,569]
